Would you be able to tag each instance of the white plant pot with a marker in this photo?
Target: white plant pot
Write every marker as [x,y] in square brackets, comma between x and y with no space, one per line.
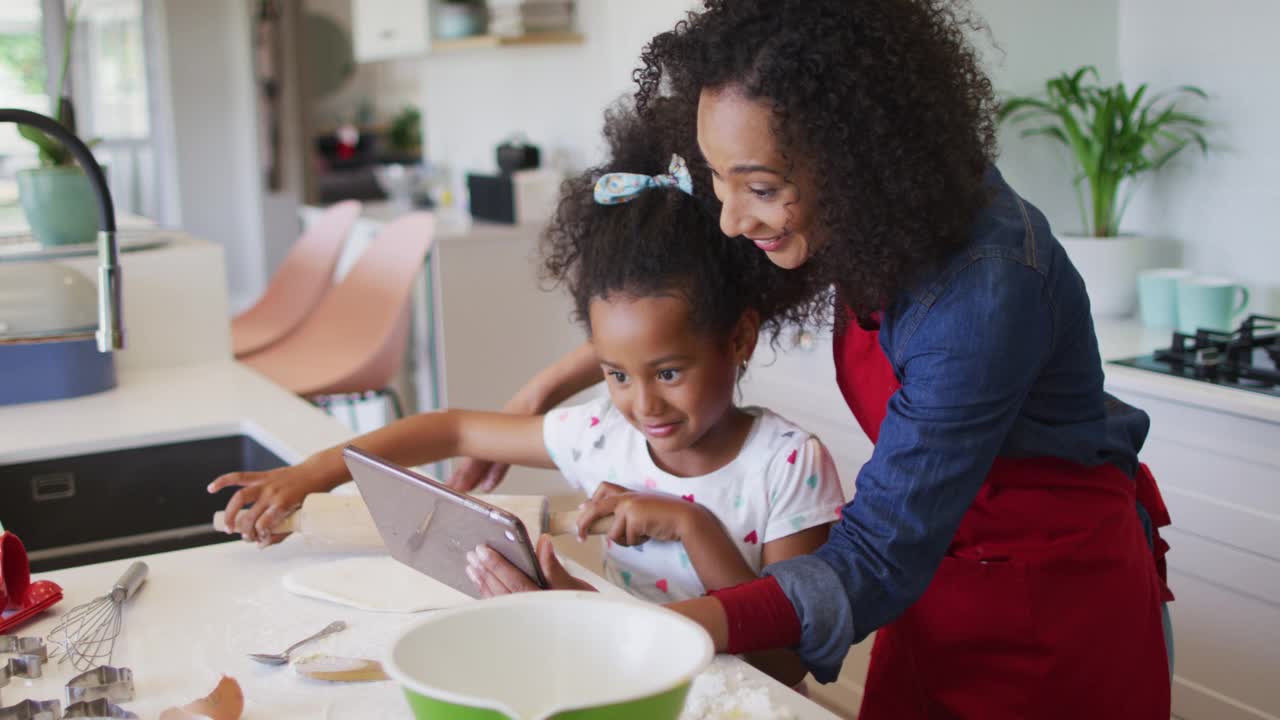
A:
[1110,268]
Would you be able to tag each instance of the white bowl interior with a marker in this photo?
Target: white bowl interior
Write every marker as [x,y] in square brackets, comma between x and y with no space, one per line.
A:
[537,653]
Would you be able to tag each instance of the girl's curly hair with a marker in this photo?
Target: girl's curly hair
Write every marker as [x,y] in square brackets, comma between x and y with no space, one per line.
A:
[663,242]
[882,101]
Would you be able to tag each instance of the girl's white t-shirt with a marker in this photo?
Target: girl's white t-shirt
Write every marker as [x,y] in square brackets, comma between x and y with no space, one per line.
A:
[782,481]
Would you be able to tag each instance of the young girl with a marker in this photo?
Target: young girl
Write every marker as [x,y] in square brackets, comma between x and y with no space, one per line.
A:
[704,493]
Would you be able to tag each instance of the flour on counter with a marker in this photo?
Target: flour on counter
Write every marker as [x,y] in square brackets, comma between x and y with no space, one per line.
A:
[720,695]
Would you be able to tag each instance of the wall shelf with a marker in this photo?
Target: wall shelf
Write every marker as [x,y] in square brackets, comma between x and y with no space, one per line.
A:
[495,41]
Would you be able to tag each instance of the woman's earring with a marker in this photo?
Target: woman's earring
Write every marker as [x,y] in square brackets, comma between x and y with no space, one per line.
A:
[742,372]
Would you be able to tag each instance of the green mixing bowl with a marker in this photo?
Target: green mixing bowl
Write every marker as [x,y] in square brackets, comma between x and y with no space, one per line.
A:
[544,655]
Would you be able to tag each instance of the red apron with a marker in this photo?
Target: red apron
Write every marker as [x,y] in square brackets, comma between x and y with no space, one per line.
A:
[1047,604]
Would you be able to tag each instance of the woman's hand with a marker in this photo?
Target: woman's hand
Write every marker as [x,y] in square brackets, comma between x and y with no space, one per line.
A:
[264,499]
[638,517]
[494,576]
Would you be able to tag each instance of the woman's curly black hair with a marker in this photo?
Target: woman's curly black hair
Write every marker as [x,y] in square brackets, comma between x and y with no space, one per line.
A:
[882,101]
[663,242]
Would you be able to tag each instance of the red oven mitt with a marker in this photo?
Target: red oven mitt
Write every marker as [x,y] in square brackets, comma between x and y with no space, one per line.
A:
[21,599]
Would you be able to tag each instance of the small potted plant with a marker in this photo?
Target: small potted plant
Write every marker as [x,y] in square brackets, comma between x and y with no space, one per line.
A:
[1114,138]
[56,197]
[404,135]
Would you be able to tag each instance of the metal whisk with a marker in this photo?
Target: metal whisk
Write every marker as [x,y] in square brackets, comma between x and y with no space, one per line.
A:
[87,634]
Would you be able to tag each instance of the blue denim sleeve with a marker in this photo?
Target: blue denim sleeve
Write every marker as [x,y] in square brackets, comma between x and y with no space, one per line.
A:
[966,363]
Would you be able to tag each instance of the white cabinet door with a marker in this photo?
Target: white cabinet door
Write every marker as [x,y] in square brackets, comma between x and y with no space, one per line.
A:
[1218,473]
[384,29]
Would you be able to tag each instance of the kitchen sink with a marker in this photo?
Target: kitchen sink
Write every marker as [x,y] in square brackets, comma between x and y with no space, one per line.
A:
[101,506]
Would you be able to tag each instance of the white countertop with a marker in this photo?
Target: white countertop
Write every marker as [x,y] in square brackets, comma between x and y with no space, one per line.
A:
[1127,337]
[152,406]
[201,610]
[13,219]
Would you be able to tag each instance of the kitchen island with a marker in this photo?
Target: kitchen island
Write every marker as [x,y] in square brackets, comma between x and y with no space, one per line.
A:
[201,610]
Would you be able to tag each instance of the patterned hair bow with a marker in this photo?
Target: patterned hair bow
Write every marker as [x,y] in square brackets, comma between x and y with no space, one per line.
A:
[619,187]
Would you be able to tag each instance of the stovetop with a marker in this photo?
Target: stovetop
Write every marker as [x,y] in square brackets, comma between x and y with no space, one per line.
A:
[1247,358]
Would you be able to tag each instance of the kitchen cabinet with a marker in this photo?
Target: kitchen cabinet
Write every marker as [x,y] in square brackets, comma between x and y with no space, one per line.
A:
[1218,470]
[385,29]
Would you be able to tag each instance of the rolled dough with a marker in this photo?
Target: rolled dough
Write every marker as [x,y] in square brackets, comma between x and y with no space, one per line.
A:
[376,584]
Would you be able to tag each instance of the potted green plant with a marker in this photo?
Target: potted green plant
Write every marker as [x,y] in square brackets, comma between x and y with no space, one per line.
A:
[56,197]
[1113,139]
[404,135]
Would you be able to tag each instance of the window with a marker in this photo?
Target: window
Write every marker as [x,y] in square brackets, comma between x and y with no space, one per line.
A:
[110,92]
[111,83]
[107,80]
[22,84]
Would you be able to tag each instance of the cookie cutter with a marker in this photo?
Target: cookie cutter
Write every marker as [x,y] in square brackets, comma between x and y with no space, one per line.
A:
[24,666]
[100,709]
[32,710]
[104,681]
[33,646]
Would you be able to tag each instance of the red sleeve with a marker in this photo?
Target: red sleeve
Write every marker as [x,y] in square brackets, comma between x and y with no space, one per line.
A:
[760,616]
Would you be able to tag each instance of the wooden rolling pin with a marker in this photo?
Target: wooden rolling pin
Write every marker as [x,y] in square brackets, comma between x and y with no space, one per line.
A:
[344,520]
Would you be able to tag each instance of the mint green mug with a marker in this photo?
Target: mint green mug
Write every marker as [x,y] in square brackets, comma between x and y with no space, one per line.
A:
[1158,296]
[1209,303]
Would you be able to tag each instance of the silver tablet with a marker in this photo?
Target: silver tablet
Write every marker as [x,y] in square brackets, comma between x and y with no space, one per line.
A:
[431,528]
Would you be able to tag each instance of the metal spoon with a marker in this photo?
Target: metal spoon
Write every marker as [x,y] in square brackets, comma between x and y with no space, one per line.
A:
[282,658]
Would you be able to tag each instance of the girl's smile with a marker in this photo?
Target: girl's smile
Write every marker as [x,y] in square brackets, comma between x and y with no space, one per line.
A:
[672,381]
[661,430]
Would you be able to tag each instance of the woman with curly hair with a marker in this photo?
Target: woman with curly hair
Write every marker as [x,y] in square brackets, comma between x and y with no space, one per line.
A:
[1002,537]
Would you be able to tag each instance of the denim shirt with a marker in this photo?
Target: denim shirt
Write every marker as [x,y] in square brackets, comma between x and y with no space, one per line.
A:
[997,356]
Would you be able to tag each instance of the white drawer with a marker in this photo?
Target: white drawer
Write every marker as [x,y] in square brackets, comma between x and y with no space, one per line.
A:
[1220,476]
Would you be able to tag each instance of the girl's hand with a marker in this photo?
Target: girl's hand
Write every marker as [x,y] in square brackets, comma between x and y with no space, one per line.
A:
[480,476]
[264,499]
[638,517]
[494,576]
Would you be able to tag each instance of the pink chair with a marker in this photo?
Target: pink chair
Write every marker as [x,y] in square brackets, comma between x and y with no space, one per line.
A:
[299,283]
[355,340]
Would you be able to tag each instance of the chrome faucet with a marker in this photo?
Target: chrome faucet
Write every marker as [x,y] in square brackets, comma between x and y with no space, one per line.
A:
[110,334]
